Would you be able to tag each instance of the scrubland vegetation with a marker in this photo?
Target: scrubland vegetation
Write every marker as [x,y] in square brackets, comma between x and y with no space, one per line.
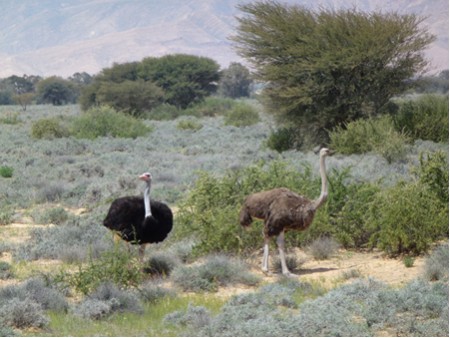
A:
[61,166]
[397,205]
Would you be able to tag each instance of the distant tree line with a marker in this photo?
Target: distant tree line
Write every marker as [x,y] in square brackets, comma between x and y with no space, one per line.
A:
[179,80]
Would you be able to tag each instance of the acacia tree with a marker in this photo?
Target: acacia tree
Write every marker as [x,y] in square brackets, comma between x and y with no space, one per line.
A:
[184,78]
[328,67]
[235,81]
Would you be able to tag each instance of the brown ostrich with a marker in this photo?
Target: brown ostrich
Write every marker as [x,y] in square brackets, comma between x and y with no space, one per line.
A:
[283,210]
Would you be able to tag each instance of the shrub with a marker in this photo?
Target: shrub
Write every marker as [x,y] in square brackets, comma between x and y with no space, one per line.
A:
[160,264]
[217,271]
[189,125]
[323,247]
[6,215]
[151,292]
[116,266]
[164,111]
[6,171]
[406,218]
[408,261]
[374,134]
[5,270]
[242,115]
[211,106]
[282,139]
[22,314]
[436,265]
[425,117]
[433,173]
[350,222]
[48,128]
[56,215]
[105,121]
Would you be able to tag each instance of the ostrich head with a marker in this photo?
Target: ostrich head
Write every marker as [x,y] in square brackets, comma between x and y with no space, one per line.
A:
[147,177]
[325,152]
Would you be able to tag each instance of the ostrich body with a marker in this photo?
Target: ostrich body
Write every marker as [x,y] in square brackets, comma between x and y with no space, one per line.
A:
[283,210]
[137,220]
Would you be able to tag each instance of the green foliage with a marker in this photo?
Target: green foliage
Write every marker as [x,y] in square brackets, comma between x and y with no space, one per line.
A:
[131,97]
[433,173]
[350,221]
[373,134]
[48,128]
[235,81]
[406,218]
[211,210]
[242,115]
[408,261]
[425,117]
[189,124]
[116,266]
[211,106]
[56,90]
[328,67]
[10,118]
[185,79]
[105,121]
[6,215]
[282,139]
[6,171]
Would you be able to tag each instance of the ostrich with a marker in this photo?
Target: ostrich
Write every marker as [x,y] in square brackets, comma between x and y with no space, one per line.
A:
[283,210]
[138,221]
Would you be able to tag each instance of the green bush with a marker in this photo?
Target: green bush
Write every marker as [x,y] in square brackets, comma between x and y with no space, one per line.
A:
[116,266]
[211,106]
[282,139]
[48,128]
[189,125]
[350,221]
[406,218]
[365,135]
[6,215]
[433,173]
[424,118]
[210,213]
[105,121]
[242,115]
[6,171]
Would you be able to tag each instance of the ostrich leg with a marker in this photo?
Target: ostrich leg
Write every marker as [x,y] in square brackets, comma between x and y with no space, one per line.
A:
[265,262]
[284,269]
[141,252]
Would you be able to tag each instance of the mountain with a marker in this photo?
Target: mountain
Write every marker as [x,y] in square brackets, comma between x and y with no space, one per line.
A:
[62,37]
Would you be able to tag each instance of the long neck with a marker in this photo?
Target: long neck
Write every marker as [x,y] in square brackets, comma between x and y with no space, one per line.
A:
[324,192]
[148,211]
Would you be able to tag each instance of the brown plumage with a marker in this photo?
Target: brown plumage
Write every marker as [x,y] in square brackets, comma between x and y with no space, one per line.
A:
[283,210]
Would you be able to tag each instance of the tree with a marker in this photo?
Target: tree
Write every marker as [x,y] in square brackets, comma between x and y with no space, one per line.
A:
[131,97]
[55,90]
[326,68]
[184,78]
[235,81]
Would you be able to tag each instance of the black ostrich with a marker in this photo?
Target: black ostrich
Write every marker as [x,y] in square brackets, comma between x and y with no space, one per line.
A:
[138,221]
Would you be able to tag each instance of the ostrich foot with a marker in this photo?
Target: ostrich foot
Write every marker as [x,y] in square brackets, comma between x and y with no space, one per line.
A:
[290,274]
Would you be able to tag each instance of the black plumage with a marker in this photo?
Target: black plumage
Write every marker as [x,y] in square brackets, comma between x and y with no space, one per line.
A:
[128,217]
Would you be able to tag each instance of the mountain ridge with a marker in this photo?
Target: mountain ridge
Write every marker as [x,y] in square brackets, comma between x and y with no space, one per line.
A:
[61,37]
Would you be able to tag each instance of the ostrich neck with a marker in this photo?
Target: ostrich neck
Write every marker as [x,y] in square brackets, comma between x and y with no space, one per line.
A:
[324,192]
[148,211]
